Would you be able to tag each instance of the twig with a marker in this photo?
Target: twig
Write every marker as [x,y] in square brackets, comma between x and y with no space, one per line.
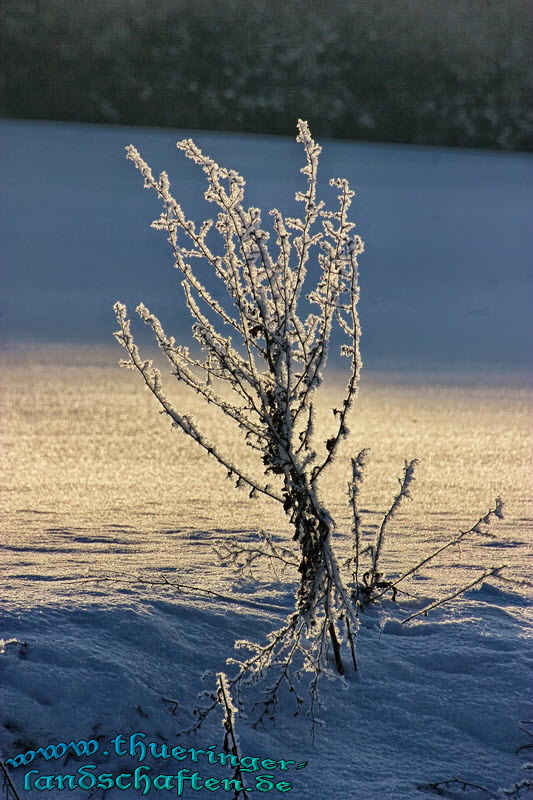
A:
[231,745]
[8,788]
[408,478]
[437,603]
[464,785]
[358,465]
[497,511]
[243,557]
[180,587]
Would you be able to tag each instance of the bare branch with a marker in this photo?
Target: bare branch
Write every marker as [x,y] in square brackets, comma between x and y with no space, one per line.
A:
[7,787]
[486,574]
[464,786]
[497,512]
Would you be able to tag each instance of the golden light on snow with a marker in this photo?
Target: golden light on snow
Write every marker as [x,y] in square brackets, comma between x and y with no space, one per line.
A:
[97,481]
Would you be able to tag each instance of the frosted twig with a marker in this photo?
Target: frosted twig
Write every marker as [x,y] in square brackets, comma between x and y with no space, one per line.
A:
[404,492]
[497,512]
[231,744]
[243,557]
[486,574]
[358,465]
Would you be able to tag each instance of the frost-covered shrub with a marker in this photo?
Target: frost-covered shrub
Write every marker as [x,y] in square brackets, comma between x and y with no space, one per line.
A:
[266,341]
[277,366]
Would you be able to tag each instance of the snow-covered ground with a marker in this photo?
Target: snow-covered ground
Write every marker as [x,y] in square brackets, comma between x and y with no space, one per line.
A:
[97,485]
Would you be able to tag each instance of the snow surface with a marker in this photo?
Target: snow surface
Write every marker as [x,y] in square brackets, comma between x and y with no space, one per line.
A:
[96,484]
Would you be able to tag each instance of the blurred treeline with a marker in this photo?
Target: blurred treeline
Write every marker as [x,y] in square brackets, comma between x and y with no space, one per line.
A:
[447,72]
